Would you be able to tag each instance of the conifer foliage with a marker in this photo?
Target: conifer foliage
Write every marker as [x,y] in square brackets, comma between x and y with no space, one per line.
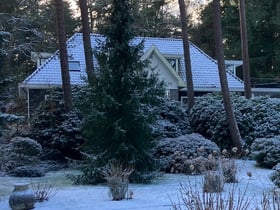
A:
[119,105]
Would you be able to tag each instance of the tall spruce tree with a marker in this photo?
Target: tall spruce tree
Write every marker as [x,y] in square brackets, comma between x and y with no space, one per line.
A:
[118,109]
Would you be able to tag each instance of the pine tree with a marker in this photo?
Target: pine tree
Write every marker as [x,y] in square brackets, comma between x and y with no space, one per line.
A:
[119,106]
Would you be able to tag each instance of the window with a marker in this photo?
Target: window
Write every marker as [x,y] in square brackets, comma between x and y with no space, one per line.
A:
[74,66]
[167,93]
[175,64]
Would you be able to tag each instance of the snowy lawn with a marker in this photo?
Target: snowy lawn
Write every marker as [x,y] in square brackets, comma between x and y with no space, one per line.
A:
[157,196]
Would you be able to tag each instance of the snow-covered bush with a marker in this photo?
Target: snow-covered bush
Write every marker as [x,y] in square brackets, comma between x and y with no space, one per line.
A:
[25,146]
[209,119]
[275,176]
[58,132]
[174,153]
[263,114]
[27,171]
[266,151]
[19,152]
[172,120]
[258,117]
[6,130]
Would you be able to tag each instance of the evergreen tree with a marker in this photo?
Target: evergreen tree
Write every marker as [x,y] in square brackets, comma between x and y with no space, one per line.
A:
[118,109]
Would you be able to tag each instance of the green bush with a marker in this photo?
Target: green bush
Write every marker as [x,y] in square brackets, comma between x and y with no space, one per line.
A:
[258,117]
[266,151]
[58,132]
[208,118]
[172,120]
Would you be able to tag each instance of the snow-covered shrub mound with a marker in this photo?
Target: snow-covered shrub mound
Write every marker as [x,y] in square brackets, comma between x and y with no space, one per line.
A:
[28,171]
[19,152]
[208,118]
[275,176]
[7,131]
[174,154]
[172,120]
[266,151]
[258,117]
[25,146]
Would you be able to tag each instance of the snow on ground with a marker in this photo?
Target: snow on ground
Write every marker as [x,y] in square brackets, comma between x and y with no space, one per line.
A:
[157,196]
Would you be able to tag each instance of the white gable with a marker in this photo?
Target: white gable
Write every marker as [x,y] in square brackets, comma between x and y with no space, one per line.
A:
[204,68]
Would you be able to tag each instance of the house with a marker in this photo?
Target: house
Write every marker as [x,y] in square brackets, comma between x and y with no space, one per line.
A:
[166,57]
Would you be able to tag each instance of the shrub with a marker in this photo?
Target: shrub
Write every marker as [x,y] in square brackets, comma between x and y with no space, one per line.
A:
[193,199]
[275,176]
[27,171]
[174,154]
[266,151]
[257,117]
[16,153]
[58,132]
[24,146]
[117,176]
[229,169]
[171,121]
[7,132]
[213,181]
[44,191]
[208,118]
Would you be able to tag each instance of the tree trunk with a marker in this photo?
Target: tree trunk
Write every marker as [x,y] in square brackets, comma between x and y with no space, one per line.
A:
[187,56]
[234,130]
[66,86]
[87,43]
[244,46]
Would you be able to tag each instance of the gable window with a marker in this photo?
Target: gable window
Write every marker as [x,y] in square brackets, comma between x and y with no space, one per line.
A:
[175,64]
[74,66]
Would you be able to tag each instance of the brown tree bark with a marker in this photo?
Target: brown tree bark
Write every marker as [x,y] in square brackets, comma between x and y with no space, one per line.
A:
[188,67]
[219,51]
[87,43]
[244,47]
[66,86]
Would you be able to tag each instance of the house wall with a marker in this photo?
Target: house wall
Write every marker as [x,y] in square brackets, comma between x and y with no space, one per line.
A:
[171,82]
[174,94]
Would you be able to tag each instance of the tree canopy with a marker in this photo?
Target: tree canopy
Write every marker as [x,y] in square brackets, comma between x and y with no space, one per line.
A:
[263,34]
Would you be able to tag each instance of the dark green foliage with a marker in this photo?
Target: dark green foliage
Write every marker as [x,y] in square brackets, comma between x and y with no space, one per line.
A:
[5,121]
[172,120]
[257,118]
[57,131]
[91,170]
[263,35]
[151,18]
[209,119]
[175,155]
[266,151]
[118,109]
[275,175]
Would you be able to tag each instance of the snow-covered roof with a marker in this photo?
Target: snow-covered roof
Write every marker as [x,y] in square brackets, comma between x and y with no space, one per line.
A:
[204,68]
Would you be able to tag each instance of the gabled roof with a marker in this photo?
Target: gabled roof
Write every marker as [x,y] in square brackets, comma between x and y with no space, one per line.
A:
[154,50]
[204,68]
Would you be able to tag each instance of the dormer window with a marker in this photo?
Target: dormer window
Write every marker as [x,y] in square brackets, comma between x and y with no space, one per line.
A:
[74,66]
[174,63]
